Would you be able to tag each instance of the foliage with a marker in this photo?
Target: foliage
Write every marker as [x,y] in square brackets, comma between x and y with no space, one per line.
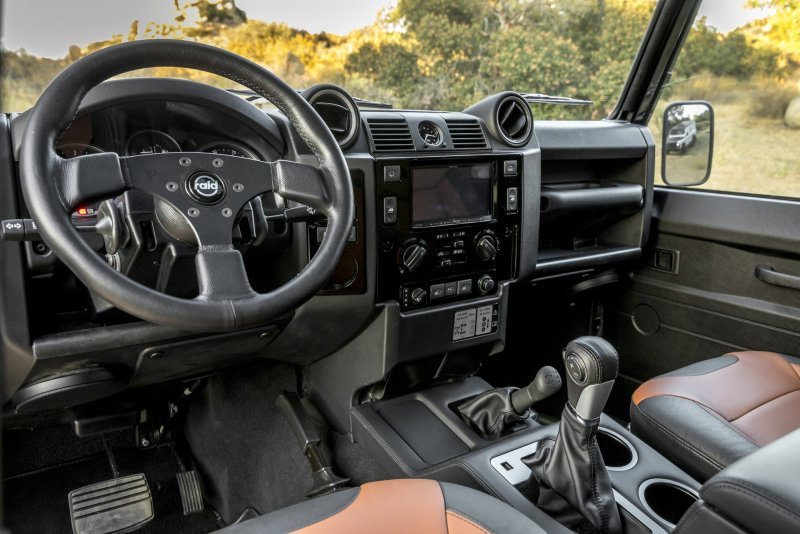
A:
[448,54]
[781,29]
[468,49]
[734,54]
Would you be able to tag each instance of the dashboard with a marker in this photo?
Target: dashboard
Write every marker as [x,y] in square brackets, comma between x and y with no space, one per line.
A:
[453,210]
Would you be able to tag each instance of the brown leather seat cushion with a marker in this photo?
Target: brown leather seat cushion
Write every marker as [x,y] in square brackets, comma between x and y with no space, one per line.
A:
[708,415]
[395,507]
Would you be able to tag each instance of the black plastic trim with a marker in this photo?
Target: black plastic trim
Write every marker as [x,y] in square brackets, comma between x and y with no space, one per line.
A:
[610,196]
[576,260]
[16,346]
[590,140]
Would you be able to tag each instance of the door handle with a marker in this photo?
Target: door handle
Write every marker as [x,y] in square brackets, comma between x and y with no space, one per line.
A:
[768,275]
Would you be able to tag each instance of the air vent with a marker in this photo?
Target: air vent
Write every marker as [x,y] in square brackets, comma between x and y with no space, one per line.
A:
[466,134]
[338,111]
[514,120]
[390,134]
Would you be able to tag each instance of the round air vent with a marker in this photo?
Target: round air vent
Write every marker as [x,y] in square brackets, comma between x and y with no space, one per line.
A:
[337,109]
[514,120]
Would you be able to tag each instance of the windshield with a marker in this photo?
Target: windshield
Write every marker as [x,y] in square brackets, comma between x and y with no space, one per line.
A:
[417,54]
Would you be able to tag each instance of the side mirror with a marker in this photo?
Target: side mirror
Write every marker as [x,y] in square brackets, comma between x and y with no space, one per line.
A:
[687,143]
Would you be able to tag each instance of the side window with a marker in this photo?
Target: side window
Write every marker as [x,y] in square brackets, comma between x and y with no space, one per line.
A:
[744,59]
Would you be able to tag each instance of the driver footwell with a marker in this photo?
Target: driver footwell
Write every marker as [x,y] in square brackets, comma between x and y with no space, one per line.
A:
[36,500]
[232,435]
[245,449]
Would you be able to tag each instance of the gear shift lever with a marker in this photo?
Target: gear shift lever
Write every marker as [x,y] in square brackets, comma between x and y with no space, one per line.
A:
[495,411]
[574,484]
[546,383]
[592,365]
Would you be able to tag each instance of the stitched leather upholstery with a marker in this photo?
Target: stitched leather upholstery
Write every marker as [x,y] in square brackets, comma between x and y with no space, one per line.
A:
[756,494]
[395,507]
[708,415]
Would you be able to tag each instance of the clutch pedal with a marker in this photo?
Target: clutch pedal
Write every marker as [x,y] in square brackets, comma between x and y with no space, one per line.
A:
[115,506]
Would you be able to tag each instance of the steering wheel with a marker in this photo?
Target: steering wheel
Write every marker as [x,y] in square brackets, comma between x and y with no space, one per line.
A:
[208,189]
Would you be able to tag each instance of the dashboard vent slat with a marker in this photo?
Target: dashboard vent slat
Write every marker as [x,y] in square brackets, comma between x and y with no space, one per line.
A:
[390,134]
[466,134]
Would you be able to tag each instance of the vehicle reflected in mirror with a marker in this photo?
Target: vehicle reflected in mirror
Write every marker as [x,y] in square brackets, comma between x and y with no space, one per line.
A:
[687,144]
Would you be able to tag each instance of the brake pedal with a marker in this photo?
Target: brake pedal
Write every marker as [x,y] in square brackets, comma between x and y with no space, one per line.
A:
[191,493]
[112,507]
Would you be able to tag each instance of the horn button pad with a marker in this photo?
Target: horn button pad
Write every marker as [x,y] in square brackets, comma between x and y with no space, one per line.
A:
[205,187]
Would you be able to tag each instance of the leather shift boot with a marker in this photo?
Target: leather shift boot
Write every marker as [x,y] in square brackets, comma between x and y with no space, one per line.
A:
[575,488]
[491,413]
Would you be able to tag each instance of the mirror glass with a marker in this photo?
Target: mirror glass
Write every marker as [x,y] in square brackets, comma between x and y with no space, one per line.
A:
[688,142]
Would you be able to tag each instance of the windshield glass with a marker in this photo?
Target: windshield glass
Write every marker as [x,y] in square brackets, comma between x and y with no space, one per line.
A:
[418,54]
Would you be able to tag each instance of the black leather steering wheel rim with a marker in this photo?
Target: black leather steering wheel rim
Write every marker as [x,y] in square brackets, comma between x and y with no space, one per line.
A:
[53,186]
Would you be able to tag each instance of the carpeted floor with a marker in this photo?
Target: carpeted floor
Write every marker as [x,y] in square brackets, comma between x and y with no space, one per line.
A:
[245,449]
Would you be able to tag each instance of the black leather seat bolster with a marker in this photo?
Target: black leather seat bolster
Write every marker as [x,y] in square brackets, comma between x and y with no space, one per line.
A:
[702,520]
[759,493]
[694,437]
[492,515]
[297,516]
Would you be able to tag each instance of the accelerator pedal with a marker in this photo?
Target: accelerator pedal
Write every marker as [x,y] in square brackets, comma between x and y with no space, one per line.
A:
[112,507]
[191,493]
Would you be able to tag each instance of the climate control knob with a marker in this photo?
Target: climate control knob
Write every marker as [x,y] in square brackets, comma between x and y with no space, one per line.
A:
[486,248]
[418,296]
[485,284]
[412,256]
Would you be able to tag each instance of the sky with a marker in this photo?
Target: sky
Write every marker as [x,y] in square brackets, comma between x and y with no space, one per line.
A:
[83,21]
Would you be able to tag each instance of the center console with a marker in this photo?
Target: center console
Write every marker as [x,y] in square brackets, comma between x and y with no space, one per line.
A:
[421,435]
[449,228]
[585,471]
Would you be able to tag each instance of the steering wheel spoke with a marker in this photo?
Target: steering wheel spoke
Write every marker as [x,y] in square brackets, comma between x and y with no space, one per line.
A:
[90,178]
[221,274]
[302,183]
[209,190]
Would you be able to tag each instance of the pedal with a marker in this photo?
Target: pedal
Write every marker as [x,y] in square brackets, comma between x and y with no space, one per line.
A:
[191,493]
[112,507]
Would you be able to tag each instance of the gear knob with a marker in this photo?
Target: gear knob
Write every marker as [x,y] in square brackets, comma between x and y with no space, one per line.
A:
[592,364]
[546,383]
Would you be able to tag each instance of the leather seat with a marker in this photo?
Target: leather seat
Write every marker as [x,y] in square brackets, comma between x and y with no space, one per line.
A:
[395,507]
[757,494]
[708,415]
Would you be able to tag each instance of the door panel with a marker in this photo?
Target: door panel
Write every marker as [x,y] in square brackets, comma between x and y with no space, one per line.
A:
[712,303]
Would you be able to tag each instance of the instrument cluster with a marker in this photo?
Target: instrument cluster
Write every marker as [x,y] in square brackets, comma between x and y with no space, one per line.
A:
[156,142]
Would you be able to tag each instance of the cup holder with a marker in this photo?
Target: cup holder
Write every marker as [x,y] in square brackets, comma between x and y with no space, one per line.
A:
[617,452]
[666,499]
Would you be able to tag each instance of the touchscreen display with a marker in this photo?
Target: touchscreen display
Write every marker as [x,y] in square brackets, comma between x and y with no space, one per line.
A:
[451,194]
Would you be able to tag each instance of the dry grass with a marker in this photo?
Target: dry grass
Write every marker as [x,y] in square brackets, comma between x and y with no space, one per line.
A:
[754,151]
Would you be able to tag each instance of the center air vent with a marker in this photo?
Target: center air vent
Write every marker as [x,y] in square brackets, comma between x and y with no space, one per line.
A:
[514,120]
[390,134]
[337,109]
[466,134]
